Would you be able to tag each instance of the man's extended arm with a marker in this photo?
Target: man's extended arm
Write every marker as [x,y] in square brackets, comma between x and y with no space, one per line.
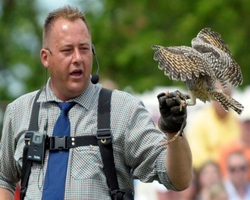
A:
[178,157]
[179,163]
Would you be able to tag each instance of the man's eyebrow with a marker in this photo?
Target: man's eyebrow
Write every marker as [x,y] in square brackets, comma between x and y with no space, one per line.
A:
[66,45]
[84,44]
[72,45]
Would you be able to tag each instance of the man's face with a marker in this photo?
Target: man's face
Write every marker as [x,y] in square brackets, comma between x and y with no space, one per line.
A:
[238,169]
[68,57]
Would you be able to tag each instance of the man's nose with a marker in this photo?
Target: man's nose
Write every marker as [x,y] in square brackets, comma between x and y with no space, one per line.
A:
[77,56]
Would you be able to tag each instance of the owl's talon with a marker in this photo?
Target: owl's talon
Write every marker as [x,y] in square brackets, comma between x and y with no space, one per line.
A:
[183,103]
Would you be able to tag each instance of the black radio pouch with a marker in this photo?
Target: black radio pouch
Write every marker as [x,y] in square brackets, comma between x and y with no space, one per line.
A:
[103,139]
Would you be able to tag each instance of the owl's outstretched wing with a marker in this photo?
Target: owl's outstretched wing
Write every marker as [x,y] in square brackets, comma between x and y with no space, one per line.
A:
[213,38]
[230,70]
[181,62]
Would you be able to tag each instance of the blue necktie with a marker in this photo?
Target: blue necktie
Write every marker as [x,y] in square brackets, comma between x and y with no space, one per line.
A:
[54,185]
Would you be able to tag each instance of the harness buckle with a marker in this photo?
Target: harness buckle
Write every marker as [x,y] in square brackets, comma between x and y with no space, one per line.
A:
[58,143]
[103,135]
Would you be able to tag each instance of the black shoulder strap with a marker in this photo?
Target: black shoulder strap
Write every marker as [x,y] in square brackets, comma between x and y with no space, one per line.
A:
[33,126]
[105,139]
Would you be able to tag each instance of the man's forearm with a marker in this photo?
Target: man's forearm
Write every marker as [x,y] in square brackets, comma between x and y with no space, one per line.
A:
[179,163]
[6,194]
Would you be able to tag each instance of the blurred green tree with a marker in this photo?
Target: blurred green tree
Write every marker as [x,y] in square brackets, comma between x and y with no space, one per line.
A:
[123,33]
[20,35]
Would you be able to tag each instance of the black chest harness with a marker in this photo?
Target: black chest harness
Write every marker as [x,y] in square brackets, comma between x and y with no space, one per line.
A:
[103,139]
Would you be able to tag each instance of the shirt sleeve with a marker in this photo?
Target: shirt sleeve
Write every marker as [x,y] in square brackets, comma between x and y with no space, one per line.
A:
[141,142]
[8,172]
[16,121]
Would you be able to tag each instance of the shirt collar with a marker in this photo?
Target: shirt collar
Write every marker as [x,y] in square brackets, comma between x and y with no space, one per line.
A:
[85,99]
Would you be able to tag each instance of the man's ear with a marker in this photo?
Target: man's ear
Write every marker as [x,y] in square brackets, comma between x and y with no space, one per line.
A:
[44,57]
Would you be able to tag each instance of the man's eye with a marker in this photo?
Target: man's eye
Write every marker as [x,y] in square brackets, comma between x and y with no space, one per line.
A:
[84,48]
[66,50]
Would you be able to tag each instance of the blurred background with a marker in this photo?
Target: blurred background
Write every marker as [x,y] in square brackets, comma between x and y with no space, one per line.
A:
[123,33]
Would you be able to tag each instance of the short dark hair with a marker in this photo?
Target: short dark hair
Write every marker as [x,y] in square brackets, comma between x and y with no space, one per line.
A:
[66,12]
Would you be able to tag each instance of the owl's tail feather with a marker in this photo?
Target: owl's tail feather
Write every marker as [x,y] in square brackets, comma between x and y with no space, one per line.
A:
[227,102]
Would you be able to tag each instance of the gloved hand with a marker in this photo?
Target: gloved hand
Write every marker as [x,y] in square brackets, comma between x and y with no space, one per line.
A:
[173,111]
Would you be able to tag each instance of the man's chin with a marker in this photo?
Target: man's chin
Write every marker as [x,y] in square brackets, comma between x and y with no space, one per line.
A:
[77,89]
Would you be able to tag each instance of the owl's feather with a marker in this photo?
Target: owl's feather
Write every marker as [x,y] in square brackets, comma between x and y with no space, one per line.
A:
[208,60]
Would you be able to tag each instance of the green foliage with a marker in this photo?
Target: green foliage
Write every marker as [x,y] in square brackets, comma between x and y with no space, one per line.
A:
[20,46]
[123,33]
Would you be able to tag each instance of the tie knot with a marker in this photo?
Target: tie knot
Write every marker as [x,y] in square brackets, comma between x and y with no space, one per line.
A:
[66,106]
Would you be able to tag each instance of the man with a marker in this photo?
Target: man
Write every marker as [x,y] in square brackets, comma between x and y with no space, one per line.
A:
[242,143]
[137,149]
[236,183]
[210,129]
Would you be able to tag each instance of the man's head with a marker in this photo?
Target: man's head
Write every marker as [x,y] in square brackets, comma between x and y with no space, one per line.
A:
[237,165]
[66,12]
[244,119]
[67,52]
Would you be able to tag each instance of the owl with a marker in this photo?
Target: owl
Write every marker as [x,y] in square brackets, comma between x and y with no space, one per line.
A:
[201,66]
